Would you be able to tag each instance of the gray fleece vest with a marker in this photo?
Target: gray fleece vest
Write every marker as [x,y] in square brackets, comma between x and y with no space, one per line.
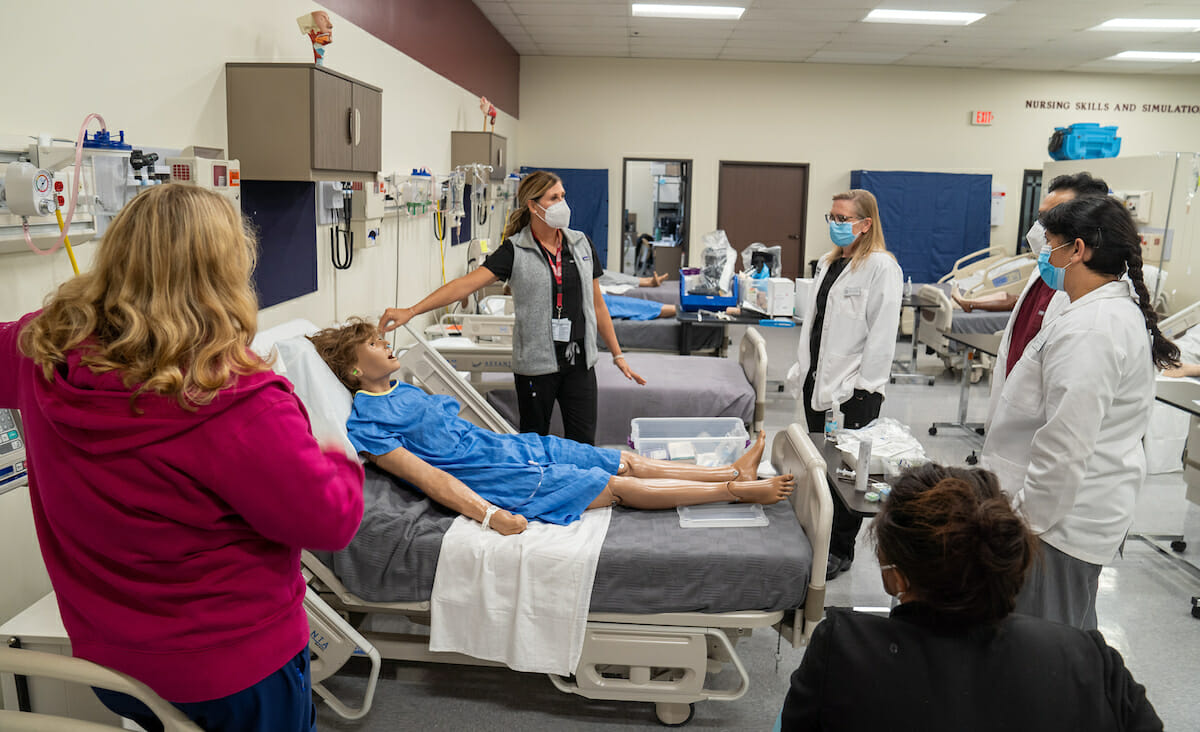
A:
[532,285]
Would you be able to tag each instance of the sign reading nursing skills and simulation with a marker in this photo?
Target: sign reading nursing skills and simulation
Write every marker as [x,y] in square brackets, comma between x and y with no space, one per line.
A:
[1093,106]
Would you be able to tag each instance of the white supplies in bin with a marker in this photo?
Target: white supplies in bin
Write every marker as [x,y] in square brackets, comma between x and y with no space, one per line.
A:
[893,446]
[722,516]
[774,297]
[706,441]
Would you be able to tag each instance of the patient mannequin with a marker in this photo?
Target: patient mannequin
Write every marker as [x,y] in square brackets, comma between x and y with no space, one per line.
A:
[997,302]
[503,480]
[1183,370]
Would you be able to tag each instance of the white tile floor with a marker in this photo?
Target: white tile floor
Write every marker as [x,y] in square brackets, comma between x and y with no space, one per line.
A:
[1143,606]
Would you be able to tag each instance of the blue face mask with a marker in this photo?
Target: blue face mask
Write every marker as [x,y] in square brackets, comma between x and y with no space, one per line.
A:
[1054,277]
[842,232]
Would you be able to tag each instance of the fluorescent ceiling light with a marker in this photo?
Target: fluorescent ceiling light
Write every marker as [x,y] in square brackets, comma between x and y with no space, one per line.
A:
[1150,24]
[699,12]
[922,17]
[1172,56]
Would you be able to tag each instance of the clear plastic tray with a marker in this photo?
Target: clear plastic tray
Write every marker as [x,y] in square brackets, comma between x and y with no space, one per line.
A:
[721,515]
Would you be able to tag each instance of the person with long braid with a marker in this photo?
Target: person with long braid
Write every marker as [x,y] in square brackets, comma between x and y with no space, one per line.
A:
[1066,437]
[553,272]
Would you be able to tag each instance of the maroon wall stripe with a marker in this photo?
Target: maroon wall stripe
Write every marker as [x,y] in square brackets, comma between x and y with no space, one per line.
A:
[451,37]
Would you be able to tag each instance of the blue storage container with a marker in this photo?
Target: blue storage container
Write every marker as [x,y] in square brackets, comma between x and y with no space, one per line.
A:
[1084,141]
[692,302]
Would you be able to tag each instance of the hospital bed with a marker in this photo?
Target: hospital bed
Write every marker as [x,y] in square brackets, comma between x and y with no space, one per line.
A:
[982,273]
[677,386]
[668,605]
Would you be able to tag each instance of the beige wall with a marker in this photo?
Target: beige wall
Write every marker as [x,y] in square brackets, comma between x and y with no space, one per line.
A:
[590,113]
[166,88]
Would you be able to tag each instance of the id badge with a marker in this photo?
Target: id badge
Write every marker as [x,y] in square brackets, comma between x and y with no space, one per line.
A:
[560,329]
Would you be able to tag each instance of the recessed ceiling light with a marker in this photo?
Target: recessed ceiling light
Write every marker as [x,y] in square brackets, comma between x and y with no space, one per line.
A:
[698,12]
[922,17]
[1162,25]
[1173,56]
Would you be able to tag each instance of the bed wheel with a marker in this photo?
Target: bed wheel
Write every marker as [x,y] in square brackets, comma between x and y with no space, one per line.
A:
[979,430]
[933,430]
[972,459]
[674,715]
[1179,545]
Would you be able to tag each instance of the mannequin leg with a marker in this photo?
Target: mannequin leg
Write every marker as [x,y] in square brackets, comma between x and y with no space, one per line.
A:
[659,493]
[744,468]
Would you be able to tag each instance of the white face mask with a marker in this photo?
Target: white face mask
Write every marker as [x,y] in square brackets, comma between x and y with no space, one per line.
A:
[1036,236]
[557,215]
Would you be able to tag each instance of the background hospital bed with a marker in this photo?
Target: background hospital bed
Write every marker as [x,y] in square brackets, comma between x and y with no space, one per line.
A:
[940,315]
[663,655]
[677,386]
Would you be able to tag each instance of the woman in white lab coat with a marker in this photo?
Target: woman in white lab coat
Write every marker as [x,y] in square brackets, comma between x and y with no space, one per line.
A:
[849,338]
[1066,438]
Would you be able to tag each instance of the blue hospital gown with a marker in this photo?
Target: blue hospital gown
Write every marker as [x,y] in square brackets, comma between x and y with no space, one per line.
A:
[540,477]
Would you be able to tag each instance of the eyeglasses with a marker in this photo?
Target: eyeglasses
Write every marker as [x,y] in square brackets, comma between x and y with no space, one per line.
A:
[831,218]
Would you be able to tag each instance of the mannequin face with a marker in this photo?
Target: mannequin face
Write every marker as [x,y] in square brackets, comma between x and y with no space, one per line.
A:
[321,20]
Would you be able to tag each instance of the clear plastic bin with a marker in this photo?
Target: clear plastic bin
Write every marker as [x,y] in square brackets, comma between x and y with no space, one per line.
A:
[721,516]
[708,441]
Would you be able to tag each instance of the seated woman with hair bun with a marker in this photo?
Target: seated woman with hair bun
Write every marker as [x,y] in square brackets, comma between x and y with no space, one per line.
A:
[953,655]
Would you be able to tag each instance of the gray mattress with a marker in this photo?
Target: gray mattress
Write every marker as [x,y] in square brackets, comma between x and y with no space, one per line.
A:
[648,563]
[662,334]
[976,321]
[676,386]
[667,292]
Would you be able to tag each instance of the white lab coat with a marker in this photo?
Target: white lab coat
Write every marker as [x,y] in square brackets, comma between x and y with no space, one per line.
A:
[1066,438]
[1053,309]
[858,334]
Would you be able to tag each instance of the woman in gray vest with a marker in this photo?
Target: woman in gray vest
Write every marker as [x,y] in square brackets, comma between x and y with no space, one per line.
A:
[553,272]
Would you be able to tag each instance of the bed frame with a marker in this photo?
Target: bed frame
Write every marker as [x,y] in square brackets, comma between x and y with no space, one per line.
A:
[663,658]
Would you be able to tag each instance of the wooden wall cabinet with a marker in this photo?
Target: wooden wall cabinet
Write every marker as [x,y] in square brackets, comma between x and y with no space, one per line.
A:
[302,122]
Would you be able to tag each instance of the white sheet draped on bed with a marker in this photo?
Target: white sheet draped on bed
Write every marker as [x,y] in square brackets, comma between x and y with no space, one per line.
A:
[521,600]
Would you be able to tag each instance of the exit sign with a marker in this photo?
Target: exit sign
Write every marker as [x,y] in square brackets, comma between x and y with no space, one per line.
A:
[981,117]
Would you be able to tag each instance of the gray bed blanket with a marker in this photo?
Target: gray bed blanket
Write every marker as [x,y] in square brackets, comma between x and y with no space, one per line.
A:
[662,334]
[666,293]
[648,564]
[676,386]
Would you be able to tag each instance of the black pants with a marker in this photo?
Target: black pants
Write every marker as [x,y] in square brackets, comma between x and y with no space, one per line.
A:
[857,411]
[573,387]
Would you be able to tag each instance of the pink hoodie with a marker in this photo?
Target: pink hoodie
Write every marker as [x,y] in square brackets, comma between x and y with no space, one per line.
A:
[172,538]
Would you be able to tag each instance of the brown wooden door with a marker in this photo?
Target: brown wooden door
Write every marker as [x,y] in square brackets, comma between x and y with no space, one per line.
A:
[765,202]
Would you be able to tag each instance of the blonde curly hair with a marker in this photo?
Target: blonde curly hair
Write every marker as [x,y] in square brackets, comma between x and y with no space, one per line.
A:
[168,302]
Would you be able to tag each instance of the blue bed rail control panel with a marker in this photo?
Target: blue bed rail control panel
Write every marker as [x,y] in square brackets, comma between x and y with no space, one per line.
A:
[13,472]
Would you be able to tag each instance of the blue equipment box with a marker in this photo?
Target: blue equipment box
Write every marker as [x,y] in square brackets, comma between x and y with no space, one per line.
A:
[689,302]
[1084,141]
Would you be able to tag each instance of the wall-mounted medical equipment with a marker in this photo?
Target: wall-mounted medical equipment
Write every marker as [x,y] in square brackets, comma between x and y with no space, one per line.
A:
[28,190]
[1137,202]
[366,212]
[13,471]
[220,176]
[415,192]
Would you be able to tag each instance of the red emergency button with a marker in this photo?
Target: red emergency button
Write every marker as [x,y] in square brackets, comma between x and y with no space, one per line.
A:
[58,186]
[61,201]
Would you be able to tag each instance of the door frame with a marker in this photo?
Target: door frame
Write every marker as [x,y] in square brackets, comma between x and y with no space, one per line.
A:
[685,195]
[803,197]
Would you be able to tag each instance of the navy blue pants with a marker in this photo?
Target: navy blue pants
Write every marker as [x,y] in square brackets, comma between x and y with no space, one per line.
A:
[282,702]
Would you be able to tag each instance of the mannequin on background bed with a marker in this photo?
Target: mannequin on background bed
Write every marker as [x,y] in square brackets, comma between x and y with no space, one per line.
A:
[501,480]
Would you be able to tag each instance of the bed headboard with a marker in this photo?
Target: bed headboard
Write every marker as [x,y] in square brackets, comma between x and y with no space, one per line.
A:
[1179,323]
[793,452]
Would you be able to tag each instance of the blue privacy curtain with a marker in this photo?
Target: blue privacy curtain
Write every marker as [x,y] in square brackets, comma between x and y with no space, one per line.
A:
[930,219]
[587,195]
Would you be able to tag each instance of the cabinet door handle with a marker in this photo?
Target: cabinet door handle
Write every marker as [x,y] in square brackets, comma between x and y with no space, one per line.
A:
[357,127]
[350,124]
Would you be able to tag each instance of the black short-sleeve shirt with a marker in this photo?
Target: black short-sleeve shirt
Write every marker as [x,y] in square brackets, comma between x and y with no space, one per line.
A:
[500,263]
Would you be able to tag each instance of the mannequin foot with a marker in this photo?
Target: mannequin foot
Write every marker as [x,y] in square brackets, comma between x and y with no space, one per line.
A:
[659,278]
[771,490]
[747,464]
[964,304]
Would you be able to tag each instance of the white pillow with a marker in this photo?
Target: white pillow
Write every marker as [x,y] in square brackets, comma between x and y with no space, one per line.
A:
[328,402]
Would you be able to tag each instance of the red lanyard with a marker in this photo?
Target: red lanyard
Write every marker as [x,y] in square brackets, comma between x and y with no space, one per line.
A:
[556,269]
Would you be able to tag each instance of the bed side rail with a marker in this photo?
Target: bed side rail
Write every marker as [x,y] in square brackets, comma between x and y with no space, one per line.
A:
[752,355]
[423,365]
[793,452]
[1179,323]
[977,258]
